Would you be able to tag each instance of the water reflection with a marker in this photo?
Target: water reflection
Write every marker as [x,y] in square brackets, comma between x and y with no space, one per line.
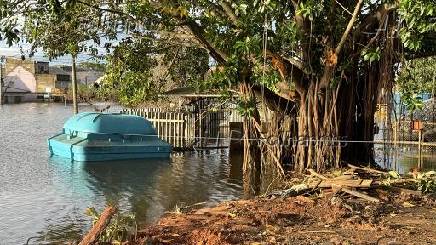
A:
[47,197]
[67,230]
[42,196]
[408,162]
[404,159]
[147,188]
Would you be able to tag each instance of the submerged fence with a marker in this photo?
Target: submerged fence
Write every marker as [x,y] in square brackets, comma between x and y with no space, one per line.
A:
[189,129]
[394,146]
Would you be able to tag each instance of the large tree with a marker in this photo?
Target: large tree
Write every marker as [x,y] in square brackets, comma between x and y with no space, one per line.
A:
[323,61]
[316,65]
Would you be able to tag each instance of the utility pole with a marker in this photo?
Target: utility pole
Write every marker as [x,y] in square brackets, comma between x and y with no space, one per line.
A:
[1,80]
[74,85]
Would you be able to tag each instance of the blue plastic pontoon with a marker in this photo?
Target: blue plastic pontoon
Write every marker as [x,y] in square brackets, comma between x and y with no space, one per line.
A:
[101,137]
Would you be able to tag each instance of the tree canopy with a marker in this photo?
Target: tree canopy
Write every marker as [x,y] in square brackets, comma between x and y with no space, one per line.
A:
[417,76]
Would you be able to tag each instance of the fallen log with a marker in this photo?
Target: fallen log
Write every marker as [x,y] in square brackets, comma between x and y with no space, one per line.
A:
[101,224]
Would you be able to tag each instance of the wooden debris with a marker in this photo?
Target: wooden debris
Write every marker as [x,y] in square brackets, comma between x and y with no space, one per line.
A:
[361,195]
[101,224]
[350,182]
[407,191]
[358,183]
[370,170]
[344,177]
[312,172]
[296,190]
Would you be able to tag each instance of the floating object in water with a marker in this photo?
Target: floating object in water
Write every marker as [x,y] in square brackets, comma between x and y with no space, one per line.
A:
[102,137]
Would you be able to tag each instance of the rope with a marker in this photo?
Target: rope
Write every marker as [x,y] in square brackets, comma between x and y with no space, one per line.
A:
[304,139]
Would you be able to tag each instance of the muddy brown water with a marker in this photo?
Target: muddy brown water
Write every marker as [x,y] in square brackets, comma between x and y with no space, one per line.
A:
[46,197]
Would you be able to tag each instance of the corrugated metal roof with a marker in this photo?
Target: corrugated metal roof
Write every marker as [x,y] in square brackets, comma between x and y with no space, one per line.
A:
[58,71]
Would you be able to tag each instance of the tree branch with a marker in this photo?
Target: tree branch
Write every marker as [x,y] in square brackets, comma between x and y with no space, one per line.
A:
[275,102]
[199,33]
[229,12]
[372,22]
[373,18]
[349,27]
[113,11]
[297,64]
[331,56]
[288,70]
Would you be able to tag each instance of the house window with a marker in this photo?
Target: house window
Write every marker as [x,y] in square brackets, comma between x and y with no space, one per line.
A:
[42,68]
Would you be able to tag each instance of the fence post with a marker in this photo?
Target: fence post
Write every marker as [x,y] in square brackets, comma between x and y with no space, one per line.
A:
[395,131]
[420,148]
[200,128]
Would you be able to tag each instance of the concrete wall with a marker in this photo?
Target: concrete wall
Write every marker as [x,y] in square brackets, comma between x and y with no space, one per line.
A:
[45,83]
[20,78]
[29,76]
[12,98]
[12,63]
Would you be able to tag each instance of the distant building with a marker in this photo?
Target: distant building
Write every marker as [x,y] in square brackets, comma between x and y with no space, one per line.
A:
[21,79]
[28,80]
[63,78]
[84,75]
[88,77]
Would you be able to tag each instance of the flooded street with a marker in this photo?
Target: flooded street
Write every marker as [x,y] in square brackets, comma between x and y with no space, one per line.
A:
[46,197]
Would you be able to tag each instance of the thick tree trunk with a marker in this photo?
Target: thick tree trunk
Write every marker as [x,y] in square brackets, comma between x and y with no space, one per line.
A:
[317,129]
[252,155]
[360,97]
[335,109]
[332,119]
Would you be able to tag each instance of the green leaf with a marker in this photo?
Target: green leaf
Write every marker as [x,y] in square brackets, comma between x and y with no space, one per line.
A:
[394,174]
[430,174]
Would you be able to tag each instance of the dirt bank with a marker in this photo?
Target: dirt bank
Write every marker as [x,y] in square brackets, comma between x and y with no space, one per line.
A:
[325,217]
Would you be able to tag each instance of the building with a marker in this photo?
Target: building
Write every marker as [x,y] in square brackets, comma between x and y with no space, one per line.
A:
[20,79]
[28,80]
[86,76]
[62,78]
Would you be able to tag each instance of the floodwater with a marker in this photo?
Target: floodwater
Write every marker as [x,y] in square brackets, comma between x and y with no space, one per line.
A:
[405,157]
[44,198]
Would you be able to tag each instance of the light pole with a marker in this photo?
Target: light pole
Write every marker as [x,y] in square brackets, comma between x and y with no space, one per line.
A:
[74,85]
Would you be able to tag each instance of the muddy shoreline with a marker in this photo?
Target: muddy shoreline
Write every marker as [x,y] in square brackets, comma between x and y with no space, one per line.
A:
[324,218]
[357,205]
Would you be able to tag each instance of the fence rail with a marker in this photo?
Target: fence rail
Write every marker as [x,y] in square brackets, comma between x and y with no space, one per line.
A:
[190,129]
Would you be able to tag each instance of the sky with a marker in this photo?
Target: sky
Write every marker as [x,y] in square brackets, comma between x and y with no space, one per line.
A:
[15,52]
